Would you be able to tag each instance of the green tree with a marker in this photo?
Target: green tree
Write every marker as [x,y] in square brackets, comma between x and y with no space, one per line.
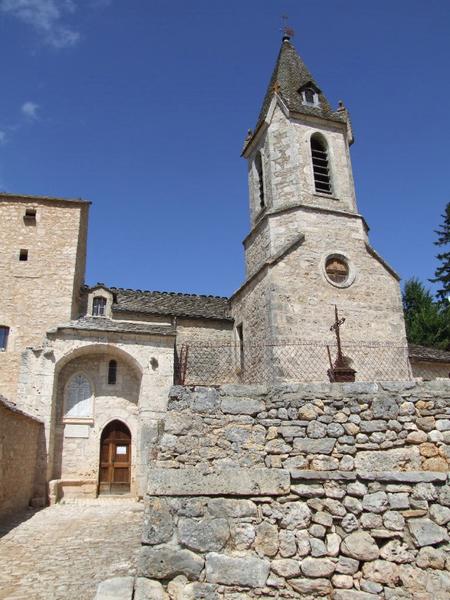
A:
[442,273]
[427,322]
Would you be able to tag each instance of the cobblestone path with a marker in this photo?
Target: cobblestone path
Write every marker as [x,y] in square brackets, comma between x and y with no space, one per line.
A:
[64,551]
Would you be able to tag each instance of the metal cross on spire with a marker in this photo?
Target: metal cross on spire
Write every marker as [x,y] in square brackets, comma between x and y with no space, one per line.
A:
[288,32]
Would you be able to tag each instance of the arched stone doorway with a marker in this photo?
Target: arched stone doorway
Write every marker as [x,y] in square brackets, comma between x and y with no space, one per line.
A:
[115,459]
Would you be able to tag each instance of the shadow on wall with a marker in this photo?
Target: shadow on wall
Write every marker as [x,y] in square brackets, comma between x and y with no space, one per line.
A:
[24,461]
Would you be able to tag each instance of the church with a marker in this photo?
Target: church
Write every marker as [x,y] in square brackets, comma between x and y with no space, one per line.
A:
[95,364]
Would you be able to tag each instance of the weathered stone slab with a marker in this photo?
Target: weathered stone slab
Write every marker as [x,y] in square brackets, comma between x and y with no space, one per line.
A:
[425,532]
[239,482]
[298,475]
[157,525]
[402,476]
[228,570]
[148,588]
[354,595]
[311,586]
[206,535]
[242,406]
[205,400]
[360,546]
[396,459]
[317,567]
[165,562]
[116,588]
[229,507]
[385,408]
[316,446]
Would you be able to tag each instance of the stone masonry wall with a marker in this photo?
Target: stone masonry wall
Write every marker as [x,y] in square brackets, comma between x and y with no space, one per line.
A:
[22,474]
[301,491]
[45,286]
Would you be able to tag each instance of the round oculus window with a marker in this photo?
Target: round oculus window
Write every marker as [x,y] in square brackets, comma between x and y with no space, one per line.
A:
[337,269]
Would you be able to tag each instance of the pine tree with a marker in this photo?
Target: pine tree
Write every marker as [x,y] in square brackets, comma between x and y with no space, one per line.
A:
[427,322]
[442,273]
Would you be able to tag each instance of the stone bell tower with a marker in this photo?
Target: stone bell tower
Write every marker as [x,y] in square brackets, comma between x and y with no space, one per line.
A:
[308,249]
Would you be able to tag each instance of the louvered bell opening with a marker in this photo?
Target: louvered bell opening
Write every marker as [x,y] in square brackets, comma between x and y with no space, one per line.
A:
[321,171]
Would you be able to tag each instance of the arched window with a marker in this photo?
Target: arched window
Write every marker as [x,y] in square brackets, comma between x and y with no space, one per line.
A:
[322,179]
[4,333]
[260,174]
[112,372]
[99,306]
[78,401]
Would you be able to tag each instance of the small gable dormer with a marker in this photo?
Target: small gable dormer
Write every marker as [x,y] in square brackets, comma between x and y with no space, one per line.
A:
[310,94]
[100,300]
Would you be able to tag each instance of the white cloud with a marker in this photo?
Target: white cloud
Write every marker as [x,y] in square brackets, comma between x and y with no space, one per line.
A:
[2,137]
[45,16]
[30,109]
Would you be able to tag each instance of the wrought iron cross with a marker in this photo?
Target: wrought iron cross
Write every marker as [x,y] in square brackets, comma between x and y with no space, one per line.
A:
[287,31]
[335,327]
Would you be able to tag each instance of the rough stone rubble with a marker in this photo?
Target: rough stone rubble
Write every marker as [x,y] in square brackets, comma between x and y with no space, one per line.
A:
[330,491]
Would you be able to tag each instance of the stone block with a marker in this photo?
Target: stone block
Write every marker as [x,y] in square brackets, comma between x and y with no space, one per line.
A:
[425,532]
[360,546]
[354,595]
[373,425]
[239,482]
[297,515]
[199,591]
[396,459]
[376,502]
[286,567]
[247,571]
[116,588]
[317,567]
[229,507]
[401,476]
[157,526]
[311,586]
[385,408]
[206,535]
[382,571]
[317,446]
[266,539]
[307,475]
[148,589]
[204,400]
[241,406]
[166,562]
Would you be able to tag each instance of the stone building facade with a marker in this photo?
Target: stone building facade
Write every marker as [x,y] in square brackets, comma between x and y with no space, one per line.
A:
[95,364]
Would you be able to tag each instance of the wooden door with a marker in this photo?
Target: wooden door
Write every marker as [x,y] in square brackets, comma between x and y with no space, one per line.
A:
[115,459]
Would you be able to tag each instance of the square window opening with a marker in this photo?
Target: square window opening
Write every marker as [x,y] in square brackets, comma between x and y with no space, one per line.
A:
[23,255]
[30,216]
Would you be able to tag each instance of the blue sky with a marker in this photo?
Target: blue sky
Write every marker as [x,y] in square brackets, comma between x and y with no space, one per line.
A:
[142,107]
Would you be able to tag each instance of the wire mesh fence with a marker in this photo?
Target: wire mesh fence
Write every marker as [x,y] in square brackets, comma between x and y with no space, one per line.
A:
[296,361]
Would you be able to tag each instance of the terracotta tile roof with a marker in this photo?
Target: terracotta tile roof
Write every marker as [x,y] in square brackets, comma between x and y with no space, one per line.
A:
[422,353]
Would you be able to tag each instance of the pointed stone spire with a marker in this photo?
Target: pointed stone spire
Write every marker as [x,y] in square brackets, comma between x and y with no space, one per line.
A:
[290,76]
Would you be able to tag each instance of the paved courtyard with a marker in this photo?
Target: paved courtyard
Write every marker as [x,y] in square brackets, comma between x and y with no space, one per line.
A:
[64,551]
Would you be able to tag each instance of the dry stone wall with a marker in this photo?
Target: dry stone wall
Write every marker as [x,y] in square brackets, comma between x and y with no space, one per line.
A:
[327,491]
